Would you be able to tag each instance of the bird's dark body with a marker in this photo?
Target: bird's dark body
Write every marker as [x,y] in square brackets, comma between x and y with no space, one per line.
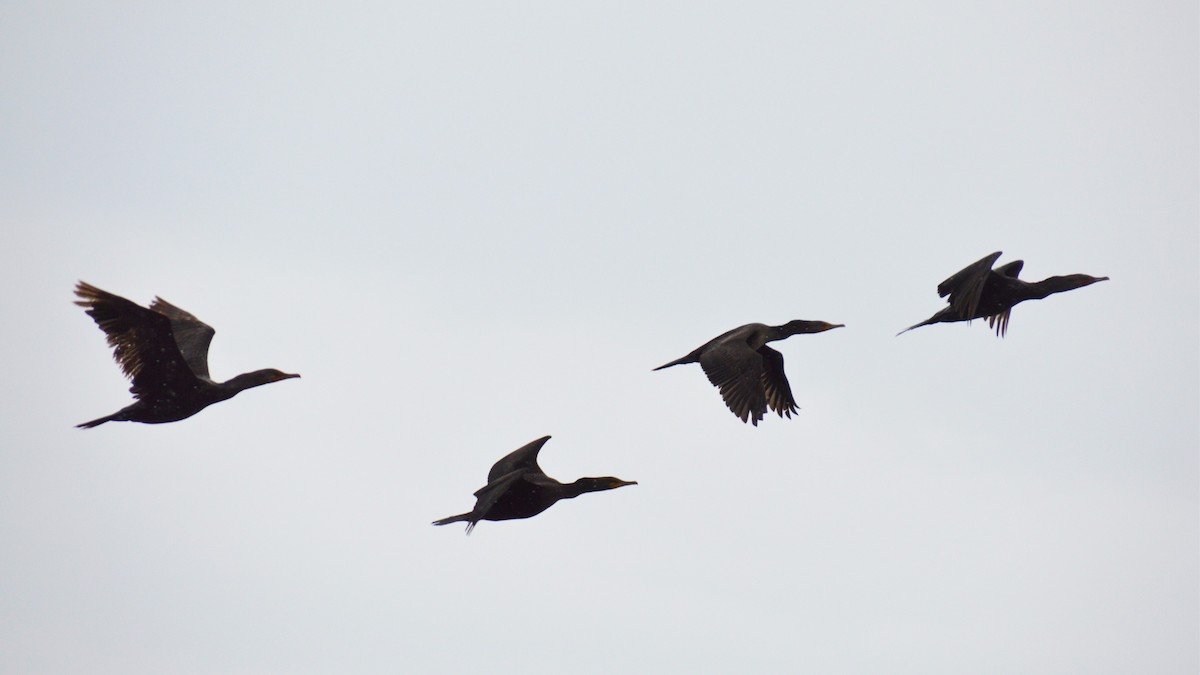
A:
[170,404]
[522,500]
[998,296]
[753,335]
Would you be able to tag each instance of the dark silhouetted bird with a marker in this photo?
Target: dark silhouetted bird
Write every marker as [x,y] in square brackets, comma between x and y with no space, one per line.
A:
[979,292]
[164,351]
[518,488]
[748,373]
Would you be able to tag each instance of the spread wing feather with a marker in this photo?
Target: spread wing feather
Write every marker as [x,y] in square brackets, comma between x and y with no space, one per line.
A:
[775,383]
[965,286]
[737,372]
[143,341]
[192,336]
[1000,322]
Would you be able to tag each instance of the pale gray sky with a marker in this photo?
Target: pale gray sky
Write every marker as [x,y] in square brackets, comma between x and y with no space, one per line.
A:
[469,225]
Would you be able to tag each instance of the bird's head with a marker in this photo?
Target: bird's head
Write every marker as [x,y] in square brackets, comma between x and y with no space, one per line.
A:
[798,326]
[259,378]
[272,375]
[603,483]
[1067,282]
[1081,280]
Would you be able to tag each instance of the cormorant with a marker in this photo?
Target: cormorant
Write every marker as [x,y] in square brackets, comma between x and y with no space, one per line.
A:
[518,488]
[164,351]
[977,291]
[748,373]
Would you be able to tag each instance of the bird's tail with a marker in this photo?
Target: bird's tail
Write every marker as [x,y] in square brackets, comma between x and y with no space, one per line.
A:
[692,357]
[686,359]
[97,422]
[462,517]
[926,322]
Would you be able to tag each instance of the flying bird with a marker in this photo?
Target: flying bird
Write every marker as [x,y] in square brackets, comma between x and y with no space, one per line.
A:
[748,373]
[518,488]
[164,351]
[979,292]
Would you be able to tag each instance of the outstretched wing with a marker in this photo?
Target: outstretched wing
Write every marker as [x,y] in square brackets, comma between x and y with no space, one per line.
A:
[775,383]
[965,286]
[192,336]
[522,459]
[142,340]
[737,371]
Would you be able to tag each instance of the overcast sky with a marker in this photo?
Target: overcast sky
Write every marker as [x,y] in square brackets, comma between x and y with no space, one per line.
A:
[469,225]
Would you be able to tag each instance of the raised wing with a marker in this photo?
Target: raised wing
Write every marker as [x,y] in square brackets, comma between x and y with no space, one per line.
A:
[775,384]
[966,285]
[522,459]
[737,371]
[142,340]
[1011,270]
[192,336]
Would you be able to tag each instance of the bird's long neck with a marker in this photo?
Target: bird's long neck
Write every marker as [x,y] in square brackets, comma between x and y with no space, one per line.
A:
[773,333]
[572,490]
[247,381]
[1051,285]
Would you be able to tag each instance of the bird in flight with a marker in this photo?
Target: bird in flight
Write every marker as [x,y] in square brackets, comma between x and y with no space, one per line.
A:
[163,350]
[978,291]
[748,373]
[518,488]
